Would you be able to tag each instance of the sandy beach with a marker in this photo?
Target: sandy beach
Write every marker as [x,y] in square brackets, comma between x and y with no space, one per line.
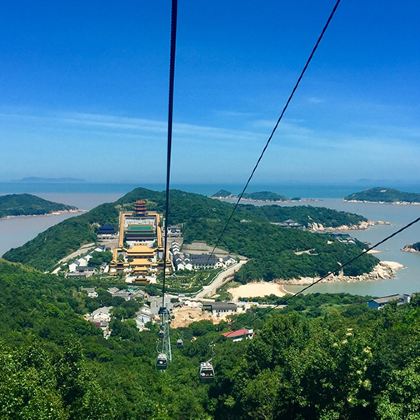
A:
[257,289]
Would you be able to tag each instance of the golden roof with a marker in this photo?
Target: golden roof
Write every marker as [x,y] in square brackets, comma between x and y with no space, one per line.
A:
[140,249]
[140,261]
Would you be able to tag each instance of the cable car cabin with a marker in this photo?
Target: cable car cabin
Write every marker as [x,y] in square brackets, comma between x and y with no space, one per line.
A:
[161,333]
[206,372]
[179,343]
[163,311]
[162,361]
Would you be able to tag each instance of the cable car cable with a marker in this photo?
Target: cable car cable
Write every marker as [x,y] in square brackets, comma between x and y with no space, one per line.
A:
[174,19]
[285,107]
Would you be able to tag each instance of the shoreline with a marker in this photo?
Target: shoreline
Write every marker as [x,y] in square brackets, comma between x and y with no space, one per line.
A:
[53,213]
[364,225]
[396,203]
[410,250]
[384,270]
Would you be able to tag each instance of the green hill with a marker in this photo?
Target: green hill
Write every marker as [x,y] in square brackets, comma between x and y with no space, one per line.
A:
[324,356]
[387,195]
[250,233]
[28,205]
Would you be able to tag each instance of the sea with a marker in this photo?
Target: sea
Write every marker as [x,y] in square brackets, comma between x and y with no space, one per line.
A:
[16,231]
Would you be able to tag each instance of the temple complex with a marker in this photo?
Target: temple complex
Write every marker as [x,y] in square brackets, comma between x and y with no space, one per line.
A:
[140,245]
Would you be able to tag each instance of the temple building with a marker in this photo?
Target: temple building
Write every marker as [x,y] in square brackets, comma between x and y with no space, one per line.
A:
[140,245]
[140,208]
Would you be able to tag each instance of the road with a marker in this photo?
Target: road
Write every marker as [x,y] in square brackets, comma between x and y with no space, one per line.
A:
[221,279]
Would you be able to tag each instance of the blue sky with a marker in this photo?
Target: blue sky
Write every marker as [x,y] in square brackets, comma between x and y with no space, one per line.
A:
[83,90]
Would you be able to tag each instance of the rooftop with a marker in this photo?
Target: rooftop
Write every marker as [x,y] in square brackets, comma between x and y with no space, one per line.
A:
[140,228]
[390,298]
[140,249]
[237,333]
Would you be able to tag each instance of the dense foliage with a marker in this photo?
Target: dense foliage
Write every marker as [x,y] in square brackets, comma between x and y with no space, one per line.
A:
[388,195]
[27,205]
[250,233]
[327,357]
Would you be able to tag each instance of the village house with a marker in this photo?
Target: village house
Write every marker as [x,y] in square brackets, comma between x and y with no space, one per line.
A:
[239,335]
[379,303]
[101,318]
[220,308]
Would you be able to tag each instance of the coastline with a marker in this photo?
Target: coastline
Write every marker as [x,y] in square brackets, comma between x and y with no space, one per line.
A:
[384,270]
[319,227]
[410,249]
[396,203]
[53,213]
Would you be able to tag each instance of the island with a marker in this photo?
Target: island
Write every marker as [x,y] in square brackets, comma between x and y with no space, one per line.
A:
[264,196]
[412,248]
[384,195]
[222,194]
[12,205]
[255,196]
[272,251]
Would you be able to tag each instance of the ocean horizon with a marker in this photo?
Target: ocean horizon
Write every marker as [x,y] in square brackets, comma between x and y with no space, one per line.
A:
[291,190]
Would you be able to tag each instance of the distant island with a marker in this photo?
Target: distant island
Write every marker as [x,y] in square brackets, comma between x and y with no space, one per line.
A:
[412,248]
[258,196]
[223,194]
[384,195]
[29,205]
[38,180]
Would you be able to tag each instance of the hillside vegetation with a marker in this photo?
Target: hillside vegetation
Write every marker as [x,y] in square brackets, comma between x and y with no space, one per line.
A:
[250,233]
[326,356]
[28,205]
[387,195]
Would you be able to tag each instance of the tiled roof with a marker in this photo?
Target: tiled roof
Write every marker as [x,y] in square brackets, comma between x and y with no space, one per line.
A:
[235,334]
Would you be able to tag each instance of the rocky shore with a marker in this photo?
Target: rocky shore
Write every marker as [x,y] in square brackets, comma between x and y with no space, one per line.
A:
[319,227]
[397,203]
[412,248]
[382,271]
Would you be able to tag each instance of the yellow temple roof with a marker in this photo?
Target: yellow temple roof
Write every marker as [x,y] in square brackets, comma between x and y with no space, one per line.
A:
[141,261]
[140,249]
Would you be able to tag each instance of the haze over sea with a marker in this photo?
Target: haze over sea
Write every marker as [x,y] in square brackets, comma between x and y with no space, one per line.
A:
[16,231]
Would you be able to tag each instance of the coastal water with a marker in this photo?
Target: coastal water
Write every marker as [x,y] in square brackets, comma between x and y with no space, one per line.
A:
[407,280]
[16,231]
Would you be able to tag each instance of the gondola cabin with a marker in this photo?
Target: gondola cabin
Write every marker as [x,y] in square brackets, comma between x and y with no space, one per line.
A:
[206,372]
[162,361]
[179,343]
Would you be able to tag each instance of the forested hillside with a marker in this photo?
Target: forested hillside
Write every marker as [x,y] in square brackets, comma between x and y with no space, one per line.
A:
[250,233]
[27,205]
[326,356]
